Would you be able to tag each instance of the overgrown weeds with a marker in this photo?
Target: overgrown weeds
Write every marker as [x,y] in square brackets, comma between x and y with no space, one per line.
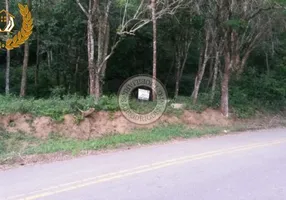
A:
[54,107]
[245,102]
[13,145]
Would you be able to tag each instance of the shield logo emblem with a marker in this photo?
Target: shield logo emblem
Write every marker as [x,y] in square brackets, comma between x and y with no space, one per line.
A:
[6,25]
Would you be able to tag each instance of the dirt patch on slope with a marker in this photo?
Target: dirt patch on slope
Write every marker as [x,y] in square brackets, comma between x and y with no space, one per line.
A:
[207,117]
[15,122]
[100,123]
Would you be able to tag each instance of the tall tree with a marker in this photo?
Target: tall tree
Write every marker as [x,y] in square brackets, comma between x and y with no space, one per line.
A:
[154,22]
[204,58]
[91,14]
[245,24]
[25,63]
[102,47]
[204,12]
[8,56]
[36,81]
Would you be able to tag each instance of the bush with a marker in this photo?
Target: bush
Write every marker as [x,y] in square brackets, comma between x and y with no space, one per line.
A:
[109,103]
[258,92]
[54,107]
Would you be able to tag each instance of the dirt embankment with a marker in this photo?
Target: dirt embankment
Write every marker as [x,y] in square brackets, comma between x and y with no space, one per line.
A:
[100,123]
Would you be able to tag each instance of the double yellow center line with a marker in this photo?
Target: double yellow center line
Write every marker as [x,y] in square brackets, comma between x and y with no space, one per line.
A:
[138,170]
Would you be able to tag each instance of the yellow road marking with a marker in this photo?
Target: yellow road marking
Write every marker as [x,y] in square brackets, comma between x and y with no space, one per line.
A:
[138,170]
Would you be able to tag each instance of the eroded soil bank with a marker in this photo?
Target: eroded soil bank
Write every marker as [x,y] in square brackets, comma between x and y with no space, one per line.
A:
[101,123]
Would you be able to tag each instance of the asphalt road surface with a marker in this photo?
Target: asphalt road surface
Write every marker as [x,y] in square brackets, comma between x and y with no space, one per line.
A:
[250,166]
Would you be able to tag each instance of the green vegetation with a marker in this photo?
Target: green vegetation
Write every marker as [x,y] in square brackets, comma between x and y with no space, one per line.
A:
[58,75]
[245,104]
[54,107]
[259,93]
[13,145]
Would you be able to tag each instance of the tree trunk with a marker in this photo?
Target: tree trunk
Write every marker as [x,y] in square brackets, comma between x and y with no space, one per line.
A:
[25,64]
[7,85]
[178,66]
[267,63]
[153,7]
[243,63]
[102,50]
[37,61]
[181,59]
[215,74]
[8,57]
[91,12]
[200,65]
[38,52]
[201,71]
[24,70]
[49,60]
[103,70]
[76,73]
[90,50]
[211,72]
[198,81]
[65,82]
[97,87]
[225,86]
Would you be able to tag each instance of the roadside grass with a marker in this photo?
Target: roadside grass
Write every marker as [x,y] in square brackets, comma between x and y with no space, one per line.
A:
[56,107]
[15,145]
[142,107]
[202,103]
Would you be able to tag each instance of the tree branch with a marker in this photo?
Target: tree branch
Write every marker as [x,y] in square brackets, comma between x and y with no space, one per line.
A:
[82,8]
[258,12]
[110,54]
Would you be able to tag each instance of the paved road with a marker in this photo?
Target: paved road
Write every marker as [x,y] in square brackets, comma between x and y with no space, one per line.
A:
[250,166]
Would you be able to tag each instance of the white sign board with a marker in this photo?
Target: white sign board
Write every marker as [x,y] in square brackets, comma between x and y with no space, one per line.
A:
[143,94]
